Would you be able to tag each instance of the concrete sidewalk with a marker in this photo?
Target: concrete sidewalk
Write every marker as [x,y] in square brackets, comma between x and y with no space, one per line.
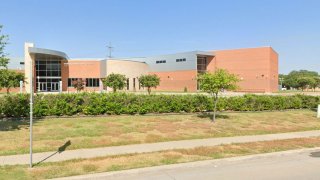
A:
[143,148]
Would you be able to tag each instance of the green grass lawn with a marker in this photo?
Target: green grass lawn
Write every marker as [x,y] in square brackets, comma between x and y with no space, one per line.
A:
[130,161]
[90,132]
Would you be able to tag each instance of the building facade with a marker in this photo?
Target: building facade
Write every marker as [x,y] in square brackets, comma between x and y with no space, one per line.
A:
[54,71]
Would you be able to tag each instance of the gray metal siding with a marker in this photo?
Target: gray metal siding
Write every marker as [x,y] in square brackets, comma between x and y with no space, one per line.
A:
[34,50]
[171,64]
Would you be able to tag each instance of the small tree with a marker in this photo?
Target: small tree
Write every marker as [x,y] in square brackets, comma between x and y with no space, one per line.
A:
[10,79]
[78,84]
[305,82]
[149,81]
[213,83]
[115,81]
[3,56]
[315,83]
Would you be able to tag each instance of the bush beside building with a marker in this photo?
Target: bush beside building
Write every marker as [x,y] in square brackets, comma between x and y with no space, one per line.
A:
[121,103]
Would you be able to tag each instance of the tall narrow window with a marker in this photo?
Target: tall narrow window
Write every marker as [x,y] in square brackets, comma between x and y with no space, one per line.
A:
[128,84]
[92,82]
[134,83]
[139,84]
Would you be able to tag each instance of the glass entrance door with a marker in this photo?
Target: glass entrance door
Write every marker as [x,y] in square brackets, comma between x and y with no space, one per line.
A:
[42,86]
[54,86]
[48,85]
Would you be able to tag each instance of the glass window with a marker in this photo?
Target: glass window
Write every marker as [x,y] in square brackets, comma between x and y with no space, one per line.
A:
[134,83]
[139,84]
[181,60]
[161,61]
[54,73]
[47,67]
[71,80]
[92,82]
[128,84]
[42,73]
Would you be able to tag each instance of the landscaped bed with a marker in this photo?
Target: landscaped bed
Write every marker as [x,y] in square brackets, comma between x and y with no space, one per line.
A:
[90,132]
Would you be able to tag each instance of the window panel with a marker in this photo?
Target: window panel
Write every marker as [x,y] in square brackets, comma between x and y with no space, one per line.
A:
[42,73]
[92,82]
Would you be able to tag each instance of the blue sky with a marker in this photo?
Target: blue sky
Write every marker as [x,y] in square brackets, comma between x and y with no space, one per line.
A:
[83,28]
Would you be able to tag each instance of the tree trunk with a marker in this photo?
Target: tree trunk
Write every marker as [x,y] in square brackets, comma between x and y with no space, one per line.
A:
[114,90]
[149,90]
[8,90]
[215,107]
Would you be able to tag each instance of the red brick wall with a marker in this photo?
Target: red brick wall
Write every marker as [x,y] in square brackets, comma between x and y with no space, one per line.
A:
[79,69]
[274,71]
[257,67]
[177,80]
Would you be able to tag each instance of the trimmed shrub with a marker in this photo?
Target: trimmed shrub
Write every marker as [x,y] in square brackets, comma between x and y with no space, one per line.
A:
[121,103]
[15,105]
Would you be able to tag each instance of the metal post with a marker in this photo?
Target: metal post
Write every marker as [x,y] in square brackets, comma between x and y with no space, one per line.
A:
[21,86]
[31,108]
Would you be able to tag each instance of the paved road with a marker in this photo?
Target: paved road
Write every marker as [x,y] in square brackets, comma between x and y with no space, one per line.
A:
[293,165]
[151,147]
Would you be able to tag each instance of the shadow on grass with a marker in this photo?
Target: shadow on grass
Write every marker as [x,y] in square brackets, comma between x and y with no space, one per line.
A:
[210,116]
[15,124]
[60,150]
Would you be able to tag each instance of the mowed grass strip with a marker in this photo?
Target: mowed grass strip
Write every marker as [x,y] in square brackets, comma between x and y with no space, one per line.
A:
[91,132]
[130,161]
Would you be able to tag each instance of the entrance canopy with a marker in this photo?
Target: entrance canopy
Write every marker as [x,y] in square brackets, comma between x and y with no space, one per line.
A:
[49,52]
[47,68]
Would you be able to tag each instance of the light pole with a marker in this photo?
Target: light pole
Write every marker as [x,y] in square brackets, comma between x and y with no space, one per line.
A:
[31,108]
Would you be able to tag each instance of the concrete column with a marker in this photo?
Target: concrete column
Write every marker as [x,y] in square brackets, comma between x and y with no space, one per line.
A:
[100,85]
[27,63]
[60,86]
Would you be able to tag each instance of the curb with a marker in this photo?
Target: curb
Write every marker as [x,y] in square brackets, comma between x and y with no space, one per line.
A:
[107,175]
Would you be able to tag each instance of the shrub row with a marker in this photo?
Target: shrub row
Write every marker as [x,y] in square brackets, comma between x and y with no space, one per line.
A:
[120,103]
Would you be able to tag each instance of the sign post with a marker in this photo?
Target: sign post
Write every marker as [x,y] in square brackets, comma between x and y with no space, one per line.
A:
[31,108]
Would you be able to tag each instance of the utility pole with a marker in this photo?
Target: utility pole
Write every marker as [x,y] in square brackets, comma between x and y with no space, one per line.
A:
[110,48]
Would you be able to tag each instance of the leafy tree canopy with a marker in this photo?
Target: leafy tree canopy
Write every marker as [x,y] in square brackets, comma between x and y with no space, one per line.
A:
[78,84]
[149,81]
[115,81]
[213,83]
[10,79]
[3,56]
[301,79]
[221,79]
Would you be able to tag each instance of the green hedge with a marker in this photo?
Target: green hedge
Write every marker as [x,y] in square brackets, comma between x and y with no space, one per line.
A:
[121,103]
